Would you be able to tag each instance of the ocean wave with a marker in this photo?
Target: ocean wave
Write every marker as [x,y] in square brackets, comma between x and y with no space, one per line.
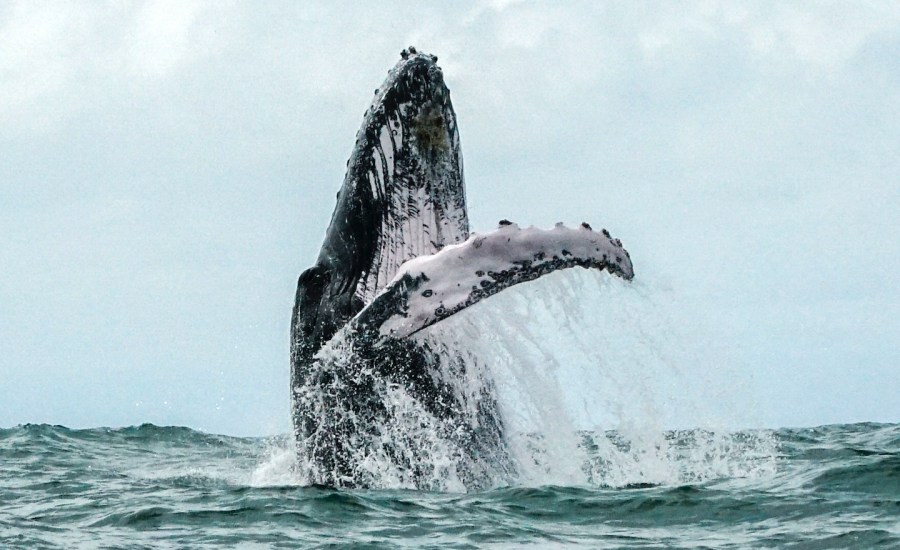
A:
[832,486]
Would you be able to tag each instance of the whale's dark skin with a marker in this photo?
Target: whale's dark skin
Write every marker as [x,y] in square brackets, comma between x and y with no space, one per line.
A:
[403,198]
[370,236]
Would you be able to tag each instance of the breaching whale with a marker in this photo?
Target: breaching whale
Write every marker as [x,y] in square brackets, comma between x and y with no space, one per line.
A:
[398,257]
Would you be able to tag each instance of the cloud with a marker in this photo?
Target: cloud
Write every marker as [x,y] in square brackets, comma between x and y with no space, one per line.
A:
[55,59]
[165,36]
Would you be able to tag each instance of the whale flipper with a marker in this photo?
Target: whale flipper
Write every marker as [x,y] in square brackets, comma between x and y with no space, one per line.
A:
[431,288]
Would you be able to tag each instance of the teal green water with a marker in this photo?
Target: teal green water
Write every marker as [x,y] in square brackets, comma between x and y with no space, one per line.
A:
[167,487]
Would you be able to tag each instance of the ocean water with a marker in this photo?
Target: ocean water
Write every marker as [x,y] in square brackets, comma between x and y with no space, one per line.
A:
[591,375]
[172,487]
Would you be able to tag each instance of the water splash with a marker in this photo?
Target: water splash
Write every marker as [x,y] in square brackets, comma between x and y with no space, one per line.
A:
[587,372]
[277,466]
[591,373]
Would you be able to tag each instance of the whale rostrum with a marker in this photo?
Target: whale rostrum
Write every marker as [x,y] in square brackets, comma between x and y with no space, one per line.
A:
[397,259]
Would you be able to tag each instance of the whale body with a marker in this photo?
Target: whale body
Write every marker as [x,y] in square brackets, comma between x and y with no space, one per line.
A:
[398,258]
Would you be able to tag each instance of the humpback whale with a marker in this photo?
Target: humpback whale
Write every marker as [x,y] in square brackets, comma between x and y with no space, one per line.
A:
[398,258]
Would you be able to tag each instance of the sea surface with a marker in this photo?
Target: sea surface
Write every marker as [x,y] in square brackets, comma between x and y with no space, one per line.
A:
[172,487]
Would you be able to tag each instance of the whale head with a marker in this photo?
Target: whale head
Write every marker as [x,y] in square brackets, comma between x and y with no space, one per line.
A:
[403,196]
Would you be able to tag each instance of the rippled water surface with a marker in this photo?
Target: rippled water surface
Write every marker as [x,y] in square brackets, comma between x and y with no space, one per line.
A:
[169,487]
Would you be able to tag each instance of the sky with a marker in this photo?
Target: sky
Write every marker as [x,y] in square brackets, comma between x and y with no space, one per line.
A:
[167,169]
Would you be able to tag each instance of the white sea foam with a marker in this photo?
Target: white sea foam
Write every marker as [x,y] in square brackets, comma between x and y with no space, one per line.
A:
[278,468]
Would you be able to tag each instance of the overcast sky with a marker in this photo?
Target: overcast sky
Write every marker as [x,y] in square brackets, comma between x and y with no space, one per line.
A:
[167,170]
